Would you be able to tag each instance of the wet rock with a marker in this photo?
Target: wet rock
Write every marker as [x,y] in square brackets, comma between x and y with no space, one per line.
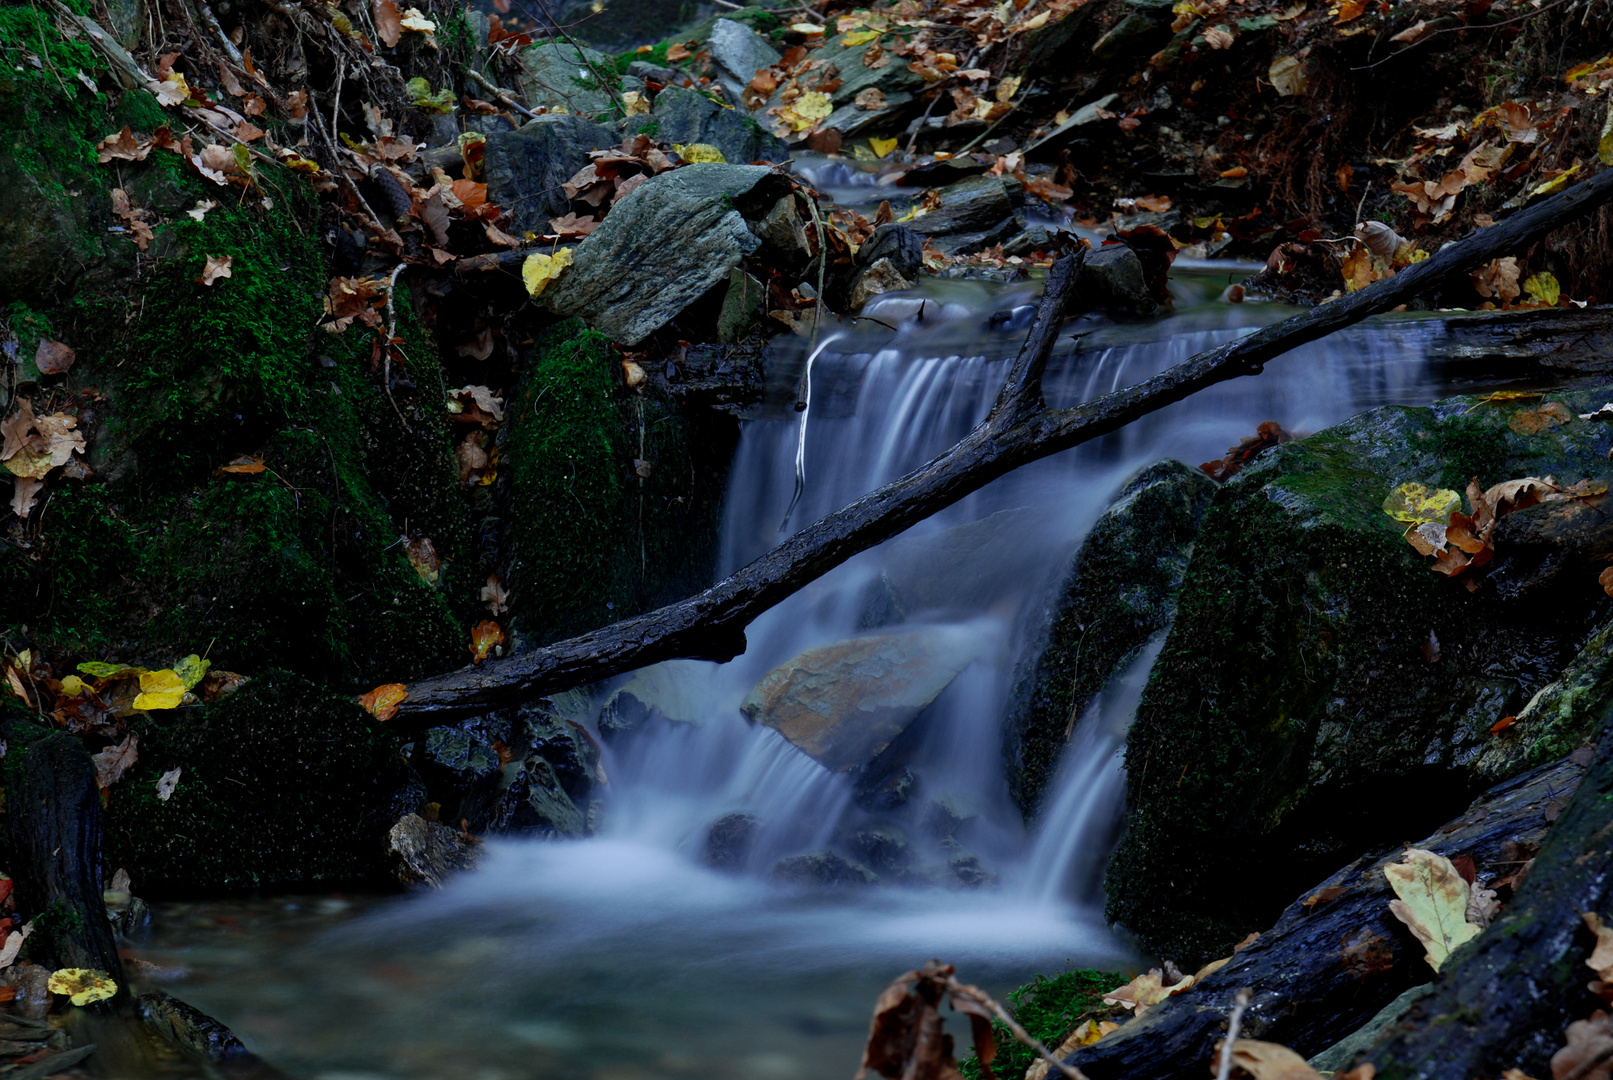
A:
[1119,592]
[536,804]
[876,279]
[741,307]
[460,765]
[960,568]
[663,247]
[1321,691]
[1113,279]
[428,852]
[561,77]
[189,1029]
[943,817]
[974,214]
[783,235]
[738,53]
[672,691]
[898,244]
[1142,30]
[281,784]
[893,80]
[879,606]
[686,116]
[1540,546]
[967,869]
[1560,717]
[821,868]
[884,791]
[884,850]
[1028,240]
[525,168]
[566,746]
[728,841]
[1061,136]
[655,73]
[843,704]
[29,982]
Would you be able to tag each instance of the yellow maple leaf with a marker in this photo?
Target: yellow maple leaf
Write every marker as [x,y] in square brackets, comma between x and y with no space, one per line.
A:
[82,985]
[1415,504]
[73,686]
[540,269]
[882,147]
[160,690]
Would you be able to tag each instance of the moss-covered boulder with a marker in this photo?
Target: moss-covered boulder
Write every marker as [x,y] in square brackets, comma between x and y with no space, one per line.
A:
[1322,692]
[280,785]
[1119,593]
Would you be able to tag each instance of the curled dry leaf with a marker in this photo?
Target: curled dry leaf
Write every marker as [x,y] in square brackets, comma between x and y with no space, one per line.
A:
[14,941]
[495,596]
[52,357]
[24,491]
[1146,990]
[1218,37]
[425,560]
[1498,279]
[218,266]
[1589,1053]
[1379,238]
[382,702]
[388,22]
[483,637]
[1433,902]
[112,762]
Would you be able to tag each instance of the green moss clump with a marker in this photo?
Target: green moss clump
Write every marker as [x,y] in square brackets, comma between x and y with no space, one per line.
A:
[1049,1010]
[281,785]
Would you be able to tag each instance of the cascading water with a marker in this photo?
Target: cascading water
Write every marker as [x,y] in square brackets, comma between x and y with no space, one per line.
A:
[621,956]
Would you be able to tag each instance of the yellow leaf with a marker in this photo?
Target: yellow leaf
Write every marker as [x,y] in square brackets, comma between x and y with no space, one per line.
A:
[809,29]
[1145,990]
[540,269]
[807,110]
[1414,504]
[882,147]
[1543,287]
[415,19]
[1503,396]
[82,985]
[635,102]
[701,154]
[73,686]
[109,671]
[1556,183]
[1433,902]
[382,702]
[160,690]
[1604,146]
[192,670]
[859,37]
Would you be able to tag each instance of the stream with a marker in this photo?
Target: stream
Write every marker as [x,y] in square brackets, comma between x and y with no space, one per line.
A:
[623,957]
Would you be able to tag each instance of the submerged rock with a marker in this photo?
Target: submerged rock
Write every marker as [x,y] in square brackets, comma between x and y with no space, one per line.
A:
[1120,591]
[673,691]
[1322,692]
[728,841]
[843,704]
[664,246]
[821,868]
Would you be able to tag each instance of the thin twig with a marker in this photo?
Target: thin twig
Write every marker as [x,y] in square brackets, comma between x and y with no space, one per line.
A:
[503,96]
[336,102]
[391,332]
[1012,1025]
[1431,35]
[608,85]
[212,24]
[1241,1003]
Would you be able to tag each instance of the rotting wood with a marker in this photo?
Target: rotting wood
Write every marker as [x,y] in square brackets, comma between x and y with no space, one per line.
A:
[1021,429]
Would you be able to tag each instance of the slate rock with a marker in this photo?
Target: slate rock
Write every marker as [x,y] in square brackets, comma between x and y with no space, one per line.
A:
[536,804]
[822,868]
[738,53]
[525,168]
[1113,278]
[875,280]
[663,247]
[783,234]
[687,116]
[728,841]
[898,243]
[557,75]
[428,852]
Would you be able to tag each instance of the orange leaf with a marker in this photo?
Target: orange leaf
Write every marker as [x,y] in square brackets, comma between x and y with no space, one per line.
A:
[244,465]
[470,193]
[483,636]
[1502,724]
[382,702]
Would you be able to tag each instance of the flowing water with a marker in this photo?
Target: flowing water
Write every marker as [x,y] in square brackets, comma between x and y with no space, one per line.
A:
[622,956]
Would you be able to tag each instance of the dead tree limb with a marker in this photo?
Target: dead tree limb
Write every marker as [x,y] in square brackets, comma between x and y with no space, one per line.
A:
[1020,429]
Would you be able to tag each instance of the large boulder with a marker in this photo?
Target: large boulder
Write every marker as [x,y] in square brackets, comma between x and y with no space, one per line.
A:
[562,77]
[673,690]
[687,116]
[525,168]
[1120,592]
[1322,692]
[843,704]
[280,785]
[664,246]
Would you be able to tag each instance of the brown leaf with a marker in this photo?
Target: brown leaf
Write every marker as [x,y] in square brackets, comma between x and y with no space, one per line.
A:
[17,429]
[226,78]
[574,224]
[1267,1061]
[114,761]
[217,267]
[871,100]
[382,702]
[388,22]
[1324,896]
[498,236]
[1588,1040]
[244,465]
[52,357]
[1364,953]
[1534,421]
[1498,279]
[424,558]
[23,491]
[471,457]
[494,596]
[122,147]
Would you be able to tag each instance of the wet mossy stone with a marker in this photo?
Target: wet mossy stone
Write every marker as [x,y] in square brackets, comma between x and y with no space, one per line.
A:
[281,785]
[687,116]
[1120,591]
[1322,692]
[526,168]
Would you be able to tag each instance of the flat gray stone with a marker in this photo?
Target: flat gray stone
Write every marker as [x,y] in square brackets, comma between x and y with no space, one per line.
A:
[738,53]
[558,76]
[686,116]
[1065,132]
[525,168]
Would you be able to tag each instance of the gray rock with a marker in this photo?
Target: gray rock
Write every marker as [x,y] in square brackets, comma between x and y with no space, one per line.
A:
[687,116]
[883,849]
[728,841]
[525,168]
[967,869]
[1143,30]
[1341,1055]
[894,80]
[672,690]
[898,243]
[977,204]
[1113,278]
[1032,239]
[648,72]
[1120,591]
[879,792]
[740,307]
[560,77]
[190,1029]
[738,53]
[566,746]
[428,852]
[662,248]
[821,868]
[875,280]
[943,817]
[843,704]
[536,804]
[783,236]
[965,243]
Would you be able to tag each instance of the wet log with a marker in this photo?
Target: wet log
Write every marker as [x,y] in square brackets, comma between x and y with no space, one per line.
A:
[54,806]
[1332,962]
[1021,429]
[1505,1000]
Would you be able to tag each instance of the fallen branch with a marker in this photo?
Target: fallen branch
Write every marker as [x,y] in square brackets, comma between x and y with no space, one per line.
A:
[1020,429]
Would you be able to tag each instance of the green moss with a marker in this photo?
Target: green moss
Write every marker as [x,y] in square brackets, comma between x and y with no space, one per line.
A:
[1049,1010]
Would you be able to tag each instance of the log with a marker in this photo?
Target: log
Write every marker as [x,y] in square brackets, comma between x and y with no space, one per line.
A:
[1021,429]
[1504,1001]
[54,805]
[1327,967]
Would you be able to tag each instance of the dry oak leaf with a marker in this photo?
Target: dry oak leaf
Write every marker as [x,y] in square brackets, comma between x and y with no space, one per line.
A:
[25,488]
[495,596]
[1588,1040]
[388,22]
[1273,1061]
[166,784]
[1601,958]
[1218,37]
[112,762]
[1535,421]
[1145,990]
[1498,279]
[483,637]
[122,147]
[217,267]
[1433,900]
[382,702]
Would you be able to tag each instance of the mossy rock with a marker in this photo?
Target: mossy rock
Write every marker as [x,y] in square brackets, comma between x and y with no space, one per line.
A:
[1119,593]
[281,785]
[1300,712]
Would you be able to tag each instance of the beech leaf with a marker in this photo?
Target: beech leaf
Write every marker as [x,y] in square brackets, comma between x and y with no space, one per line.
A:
[540,269]
[166,784]
[160,690]
[1433,899]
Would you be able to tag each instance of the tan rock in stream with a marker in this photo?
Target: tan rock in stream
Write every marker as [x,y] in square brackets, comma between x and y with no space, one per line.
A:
[843,704]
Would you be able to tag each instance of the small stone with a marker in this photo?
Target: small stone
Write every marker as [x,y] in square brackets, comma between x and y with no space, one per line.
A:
[427,852]
[728,841]
[821,868]
[881,277]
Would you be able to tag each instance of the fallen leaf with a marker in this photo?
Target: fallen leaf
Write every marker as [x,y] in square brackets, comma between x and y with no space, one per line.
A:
[52,357]
[539,270]
[1535,421]
[1266,1061]
[244,465]
[388,22]
[1519,494]
[160,690]
[1432,902]
[1589,1041]
[425,560]
[1145,990]
[678,52]
[1498,279]
[24,489]
[122,147]
[382,702]
[171,89]
[1411,33]
[1544,288]
[112,762]
[494,596]
[1415,504]
[102,670]
[1324,896]
[1507,721]
[82,985]
[217,267]
[1218,37]
[871,100]
[13,946]
[483,637]
[1287,75]
[1501,396]
[192,669]
[701,154]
